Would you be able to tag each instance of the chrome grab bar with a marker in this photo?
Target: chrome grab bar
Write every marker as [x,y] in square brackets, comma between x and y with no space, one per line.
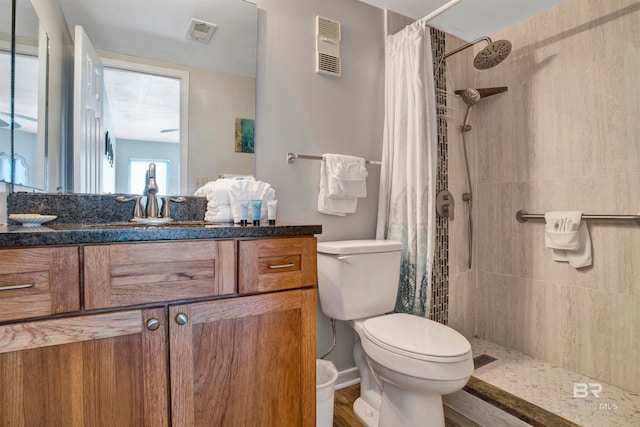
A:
[523,216]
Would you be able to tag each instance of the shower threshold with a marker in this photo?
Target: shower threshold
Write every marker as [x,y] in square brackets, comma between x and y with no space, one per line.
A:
[517,390]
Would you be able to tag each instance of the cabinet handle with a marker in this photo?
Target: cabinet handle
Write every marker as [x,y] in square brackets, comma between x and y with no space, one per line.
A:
[182,319]
[282,266]
[11,287]
[153,324]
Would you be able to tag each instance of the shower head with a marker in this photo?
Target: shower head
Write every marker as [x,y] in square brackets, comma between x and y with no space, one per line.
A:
[490,56]
[470,96]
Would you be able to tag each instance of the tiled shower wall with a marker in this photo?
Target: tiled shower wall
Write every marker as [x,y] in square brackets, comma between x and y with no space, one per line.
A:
[566,136]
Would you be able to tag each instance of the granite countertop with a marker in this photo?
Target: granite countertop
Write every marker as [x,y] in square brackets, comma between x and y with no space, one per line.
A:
[70,234]
[90,218]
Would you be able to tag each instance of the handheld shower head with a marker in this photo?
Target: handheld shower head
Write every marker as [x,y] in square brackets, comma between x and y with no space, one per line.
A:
[470,96]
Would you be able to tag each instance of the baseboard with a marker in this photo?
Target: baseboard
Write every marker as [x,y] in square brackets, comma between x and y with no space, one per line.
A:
[347,377]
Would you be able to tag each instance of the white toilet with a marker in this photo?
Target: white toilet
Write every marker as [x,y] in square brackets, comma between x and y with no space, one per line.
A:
[406,362]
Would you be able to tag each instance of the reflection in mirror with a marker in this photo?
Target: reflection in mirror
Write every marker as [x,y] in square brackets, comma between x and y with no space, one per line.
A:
[144,109]
[23,95]
[220,75]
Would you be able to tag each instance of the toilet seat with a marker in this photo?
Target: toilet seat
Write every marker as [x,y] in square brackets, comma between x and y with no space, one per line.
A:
[416,338]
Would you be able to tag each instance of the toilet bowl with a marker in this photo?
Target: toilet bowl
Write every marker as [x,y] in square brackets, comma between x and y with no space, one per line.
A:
[415,361]
[406,363]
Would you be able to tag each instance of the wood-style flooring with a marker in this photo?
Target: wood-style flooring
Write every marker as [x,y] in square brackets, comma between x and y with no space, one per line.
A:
[343,415]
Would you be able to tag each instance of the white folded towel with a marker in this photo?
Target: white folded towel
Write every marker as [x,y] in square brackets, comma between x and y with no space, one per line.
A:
[342,181]
[569,238]
[346,176]
[250,190]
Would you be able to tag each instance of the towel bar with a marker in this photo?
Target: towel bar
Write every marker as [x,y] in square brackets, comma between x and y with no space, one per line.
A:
[292,157]
[523,216]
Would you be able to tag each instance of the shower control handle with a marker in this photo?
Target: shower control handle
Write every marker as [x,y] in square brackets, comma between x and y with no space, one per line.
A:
[445,205]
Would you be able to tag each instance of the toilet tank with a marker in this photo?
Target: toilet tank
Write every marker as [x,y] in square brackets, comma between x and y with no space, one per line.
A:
[358,278]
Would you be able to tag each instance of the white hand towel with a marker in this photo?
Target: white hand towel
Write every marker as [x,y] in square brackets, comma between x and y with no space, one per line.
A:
[568,237]
[561,230]
[346,176]
[582,256]
[333,206]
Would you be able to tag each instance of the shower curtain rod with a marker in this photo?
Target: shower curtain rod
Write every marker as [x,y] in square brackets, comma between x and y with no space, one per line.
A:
[292,157]
[523,216]
[438,11]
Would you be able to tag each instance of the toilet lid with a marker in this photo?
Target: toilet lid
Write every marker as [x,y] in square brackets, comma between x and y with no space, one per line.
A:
[415,336]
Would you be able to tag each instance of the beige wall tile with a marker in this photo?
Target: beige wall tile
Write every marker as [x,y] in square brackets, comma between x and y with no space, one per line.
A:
[566,136]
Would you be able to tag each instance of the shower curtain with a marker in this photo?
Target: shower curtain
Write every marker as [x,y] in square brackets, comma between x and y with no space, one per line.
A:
[406,207]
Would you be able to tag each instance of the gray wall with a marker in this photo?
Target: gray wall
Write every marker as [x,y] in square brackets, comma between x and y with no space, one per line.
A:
[302,111]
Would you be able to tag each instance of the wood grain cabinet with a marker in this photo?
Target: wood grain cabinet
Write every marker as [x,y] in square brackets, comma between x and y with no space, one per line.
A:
[217,361]
[38,282]
[141,273]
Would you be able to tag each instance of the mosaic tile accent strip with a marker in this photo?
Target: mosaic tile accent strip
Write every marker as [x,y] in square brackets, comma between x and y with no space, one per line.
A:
[439,310]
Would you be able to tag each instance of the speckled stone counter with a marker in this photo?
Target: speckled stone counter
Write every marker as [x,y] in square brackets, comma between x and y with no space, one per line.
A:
[90,218]
[70,234]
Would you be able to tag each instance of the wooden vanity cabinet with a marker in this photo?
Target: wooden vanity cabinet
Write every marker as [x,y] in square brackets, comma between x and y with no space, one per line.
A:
[218,361]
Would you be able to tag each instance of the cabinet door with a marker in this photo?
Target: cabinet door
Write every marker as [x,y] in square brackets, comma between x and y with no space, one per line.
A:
[97,370]
[38,282]
[145,273]
[246,361]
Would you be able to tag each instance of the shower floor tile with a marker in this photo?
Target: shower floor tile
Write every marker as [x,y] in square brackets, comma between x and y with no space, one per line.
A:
[556,389]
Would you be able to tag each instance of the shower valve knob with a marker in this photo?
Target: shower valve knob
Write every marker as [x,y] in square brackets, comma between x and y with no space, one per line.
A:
[445,204]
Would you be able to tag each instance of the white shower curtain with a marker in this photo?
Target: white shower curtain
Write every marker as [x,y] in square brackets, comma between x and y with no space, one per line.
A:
[406,207]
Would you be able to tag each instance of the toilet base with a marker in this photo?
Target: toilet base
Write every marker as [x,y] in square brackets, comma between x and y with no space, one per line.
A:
[366,414]
[401,408]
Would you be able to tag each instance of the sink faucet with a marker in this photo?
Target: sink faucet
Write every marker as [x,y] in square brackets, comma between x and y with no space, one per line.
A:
[150,190]
[150,214]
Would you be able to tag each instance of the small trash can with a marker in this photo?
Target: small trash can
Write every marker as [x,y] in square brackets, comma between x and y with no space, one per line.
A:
[326,376]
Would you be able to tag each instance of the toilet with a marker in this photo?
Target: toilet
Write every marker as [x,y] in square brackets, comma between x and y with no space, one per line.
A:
[406,363]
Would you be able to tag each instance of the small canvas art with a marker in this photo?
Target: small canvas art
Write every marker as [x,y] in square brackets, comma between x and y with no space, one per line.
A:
[244,136]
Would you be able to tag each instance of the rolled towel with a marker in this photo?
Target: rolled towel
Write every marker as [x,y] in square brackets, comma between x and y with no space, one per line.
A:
[249,190]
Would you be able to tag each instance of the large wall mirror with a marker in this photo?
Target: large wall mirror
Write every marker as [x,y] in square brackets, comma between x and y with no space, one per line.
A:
[23,96]
[168,96]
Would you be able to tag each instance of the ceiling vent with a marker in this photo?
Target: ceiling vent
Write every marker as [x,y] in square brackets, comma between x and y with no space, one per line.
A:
[328,47]
[200,31]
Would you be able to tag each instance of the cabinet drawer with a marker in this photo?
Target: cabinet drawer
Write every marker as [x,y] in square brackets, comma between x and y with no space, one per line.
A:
[273,264]
[141,273]
[38,282]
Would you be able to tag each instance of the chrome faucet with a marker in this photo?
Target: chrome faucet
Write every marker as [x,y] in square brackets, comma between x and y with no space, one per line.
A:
[150,190]
[150,214]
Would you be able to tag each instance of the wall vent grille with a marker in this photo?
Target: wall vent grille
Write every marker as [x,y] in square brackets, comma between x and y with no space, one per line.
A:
[328,47]
[328,64]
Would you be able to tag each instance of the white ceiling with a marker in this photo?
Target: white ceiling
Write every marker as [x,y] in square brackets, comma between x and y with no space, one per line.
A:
[469,19]
[157,29]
